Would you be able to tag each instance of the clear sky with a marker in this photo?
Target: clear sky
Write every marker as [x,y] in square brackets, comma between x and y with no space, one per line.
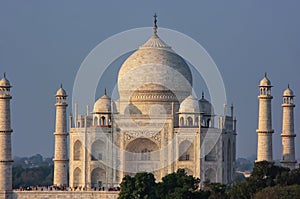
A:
[43,43]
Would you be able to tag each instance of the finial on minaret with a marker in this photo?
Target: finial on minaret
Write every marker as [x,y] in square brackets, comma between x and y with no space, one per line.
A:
[288,85]
[4,75]
[155,23]
[265,74]
[104,91]
[202,95]
[60,85]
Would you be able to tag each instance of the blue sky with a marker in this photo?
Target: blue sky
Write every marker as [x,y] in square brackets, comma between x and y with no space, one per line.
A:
[43,43]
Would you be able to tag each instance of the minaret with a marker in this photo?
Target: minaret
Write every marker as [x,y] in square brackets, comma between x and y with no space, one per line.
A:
[288,135]
[5,140]
[61,134]
[265,131]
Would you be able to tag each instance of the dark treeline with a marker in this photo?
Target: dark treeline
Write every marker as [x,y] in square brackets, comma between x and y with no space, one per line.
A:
[36,176]
[266,181]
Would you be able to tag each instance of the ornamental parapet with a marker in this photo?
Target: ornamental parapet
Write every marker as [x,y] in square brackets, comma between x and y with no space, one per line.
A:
[7,131]
[288,135]
[265,97]
[265,132]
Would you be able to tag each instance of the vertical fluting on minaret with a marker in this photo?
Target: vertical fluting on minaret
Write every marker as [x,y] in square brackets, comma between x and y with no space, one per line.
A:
[265,131]
[288,135]
[5,140]
[61,134]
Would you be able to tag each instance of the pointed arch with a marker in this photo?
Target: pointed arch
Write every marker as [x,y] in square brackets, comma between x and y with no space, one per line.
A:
[96,121]
[77,150]
[98,176]
[210,174]
[77,177]
[98,150]
[190,121]
[181,121]
[186,151]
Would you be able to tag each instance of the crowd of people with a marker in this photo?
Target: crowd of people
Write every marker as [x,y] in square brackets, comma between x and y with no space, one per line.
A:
[65,188]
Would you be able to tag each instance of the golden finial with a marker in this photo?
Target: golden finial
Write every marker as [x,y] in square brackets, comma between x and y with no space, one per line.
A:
[155,23]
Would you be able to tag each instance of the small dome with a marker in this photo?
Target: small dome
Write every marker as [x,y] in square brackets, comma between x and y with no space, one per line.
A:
[265,81]
[4,82]
[61,92]
[189,105]
[205,106]
[288,92]
[103,105]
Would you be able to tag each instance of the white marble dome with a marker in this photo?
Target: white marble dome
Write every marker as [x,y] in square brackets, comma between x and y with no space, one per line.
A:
[189,105]
[154,63]
[265,81]
[102,105]
[61,92]
[4,82]
[205,106]
[288,92]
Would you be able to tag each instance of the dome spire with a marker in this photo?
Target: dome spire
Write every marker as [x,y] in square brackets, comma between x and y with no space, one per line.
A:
[104,91]
[155,23]
[4,75]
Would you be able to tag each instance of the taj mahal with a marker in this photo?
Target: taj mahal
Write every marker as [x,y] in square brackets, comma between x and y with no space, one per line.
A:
[157,125]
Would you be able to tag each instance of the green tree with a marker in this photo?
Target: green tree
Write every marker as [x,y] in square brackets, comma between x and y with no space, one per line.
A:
[294,177]
[279,192]
[178,185]
[24,177]
[141,186]
[216,190]
[127,186]
[265,174]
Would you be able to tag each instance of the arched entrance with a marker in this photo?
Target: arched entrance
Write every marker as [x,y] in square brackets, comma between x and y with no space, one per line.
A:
[77,176]
[141,155]
[210,174]
[98,178]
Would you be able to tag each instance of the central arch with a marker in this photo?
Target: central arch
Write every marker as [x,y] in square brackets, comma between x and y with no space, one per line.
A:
[142,155]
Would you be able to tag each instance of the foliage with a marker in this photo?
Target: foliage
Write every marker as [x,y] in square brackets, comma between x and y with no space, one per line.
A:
[24,177]
[216,190]
[177,185]
[142,185]
[265,174]
[279,192]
